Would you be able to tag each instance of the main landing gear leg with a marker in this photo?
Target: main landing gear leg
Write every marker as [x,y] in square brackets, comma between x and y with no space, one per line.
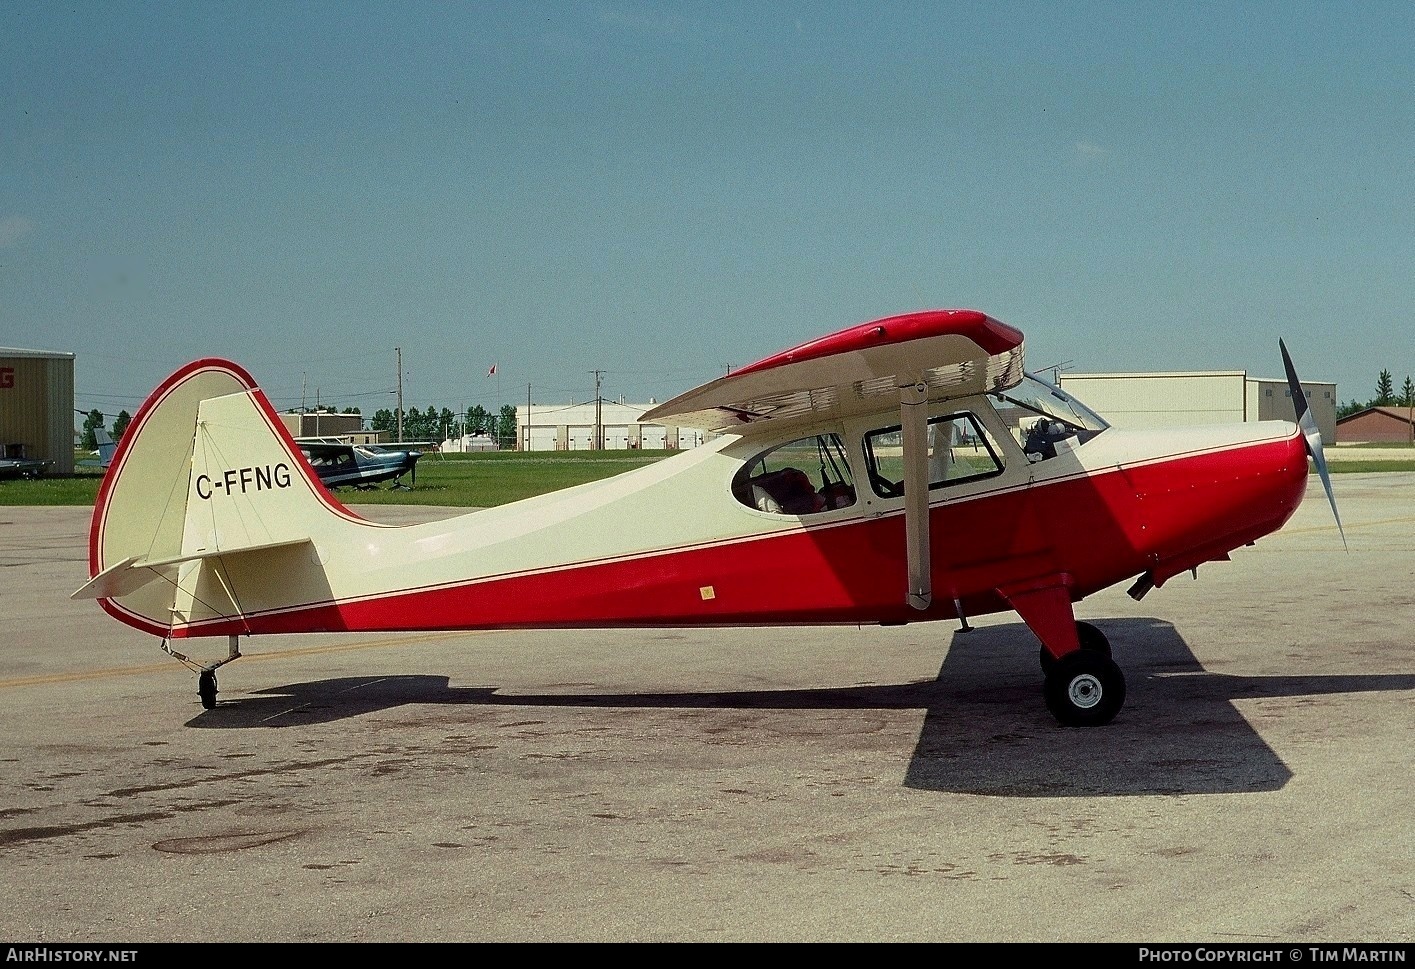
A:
[1083,687]
[206,673]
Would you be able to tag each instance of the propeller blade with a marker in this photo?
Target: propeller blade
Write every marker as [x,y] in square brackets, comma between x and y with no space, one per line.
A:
[1311,434]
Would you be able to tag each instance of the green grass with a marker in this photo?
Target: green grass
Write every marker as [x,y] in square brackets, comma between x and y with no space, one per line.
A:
[1349,466]
[81,488]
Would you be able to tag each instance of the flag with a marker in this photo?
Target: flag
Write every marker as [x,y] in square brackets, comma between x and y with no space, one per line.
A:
[492,371]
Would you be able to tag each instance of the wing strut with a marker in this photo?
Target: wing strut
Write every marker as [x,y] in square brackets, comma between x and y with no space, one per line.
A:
[914,422]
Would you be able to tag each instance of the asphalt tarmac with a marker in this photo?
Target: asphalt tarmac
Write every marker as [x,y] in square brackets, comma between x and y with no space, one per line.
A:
[817,784]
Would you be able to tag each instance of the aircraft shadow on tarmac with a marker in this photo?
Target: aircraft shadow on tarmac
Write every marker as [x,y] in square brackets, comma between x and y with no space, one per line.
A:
[985,731]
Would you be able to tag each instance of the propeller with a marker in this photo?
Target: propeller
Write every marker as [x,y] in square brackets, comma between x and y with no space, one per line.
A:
[1312,434]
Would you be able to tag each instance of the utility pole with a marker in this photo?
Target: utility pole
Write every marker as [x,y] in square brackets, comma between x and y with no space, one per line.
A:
[528,417]
[400,394]
[598,414]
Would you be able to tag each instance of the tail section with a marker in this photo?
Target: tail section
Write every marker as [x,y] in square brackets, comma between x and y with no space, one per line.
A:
[208,509]
[107,447]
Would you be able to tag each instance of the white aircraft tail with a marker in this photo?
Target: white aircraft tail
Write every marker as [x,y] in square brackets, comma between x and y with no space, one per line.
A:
[207,493]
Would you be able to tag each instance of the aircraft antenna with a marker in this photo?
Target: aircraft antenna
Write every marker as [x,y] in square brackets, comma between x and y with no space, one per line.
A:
[1056,370]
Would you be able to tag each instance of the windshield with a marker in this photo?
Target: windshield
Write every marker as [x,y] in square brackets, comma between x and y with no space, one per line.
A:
[1051,401]
[1045,419]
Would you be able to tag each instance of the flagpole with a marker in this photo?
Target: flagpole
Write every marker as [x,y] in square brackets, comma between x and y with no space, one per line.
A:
[495,371]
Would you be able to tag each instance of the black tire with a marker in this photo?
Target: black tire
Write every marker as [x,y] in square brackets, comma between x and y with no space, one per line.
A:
[1084,689]
[1092,640]
[206,689]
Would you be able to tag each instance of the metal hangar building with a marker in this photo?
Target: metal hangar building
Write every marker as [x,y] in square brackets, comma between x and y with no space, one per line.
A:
[1152,400]
[37,407]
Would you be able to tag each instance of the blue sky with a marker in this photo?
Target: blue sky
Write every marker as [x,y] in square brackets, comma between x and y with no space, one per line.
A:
[661,191]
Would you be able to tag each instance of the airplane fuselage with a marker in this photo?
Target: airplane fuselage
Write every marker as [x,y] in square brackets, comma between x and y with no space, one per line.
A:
[670,545]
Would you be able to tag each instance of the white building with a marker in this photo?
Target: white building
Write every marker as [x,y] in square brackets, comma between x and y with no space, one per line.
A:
[1145,400]
[571,427]
[468,443]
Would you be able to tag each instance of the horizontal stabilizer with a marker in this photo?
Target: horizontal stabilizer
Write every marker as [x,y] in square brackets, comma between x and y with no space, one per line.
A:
[133,573]
[116,580]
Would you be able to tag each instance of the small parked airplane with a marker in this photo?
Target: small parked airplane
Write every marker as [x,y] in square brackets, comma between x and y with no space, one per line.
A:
[28,468]
[903,470]
[341,464]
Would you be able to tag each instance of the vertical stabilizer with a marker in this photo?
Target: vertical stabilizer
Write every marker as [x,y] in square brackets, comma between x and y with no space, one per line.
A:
[247,486]
[205,482]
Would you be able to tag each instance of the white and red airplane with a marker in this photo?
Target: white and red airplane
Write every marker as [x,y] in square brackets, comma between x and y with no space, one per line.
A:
[903,470]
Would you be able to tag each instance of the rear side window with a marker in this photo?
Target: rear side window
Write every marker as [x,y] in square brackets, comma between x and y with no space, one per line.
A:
[803,477]
[958,451]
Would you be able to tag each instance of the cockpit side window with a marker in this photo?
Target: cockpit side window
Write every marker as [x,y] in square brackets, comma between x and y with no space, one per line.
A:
[804,477]
[958,448]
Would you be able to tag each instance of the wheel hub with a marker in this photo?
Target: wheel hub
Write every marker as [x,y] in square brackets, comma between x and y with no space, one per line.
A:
[1085,691]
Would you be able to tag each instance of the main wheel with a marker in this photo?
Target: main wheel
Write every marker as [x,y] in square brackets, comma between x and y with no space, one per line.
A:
[1084,689]
[206,688]
[1092,640]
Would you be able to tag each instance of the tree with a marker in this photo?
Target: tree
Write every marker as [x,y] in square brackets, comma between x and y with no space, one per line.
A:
[507,429]
[383,420]
[92,422]
[1407,393]
[1385,390]
[121,422]
[446,424]
[1349,408]
[478,420]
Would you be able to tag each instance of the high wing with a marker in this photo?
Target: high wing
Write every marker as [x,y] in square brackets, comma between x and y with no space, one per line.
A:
[952,353]
[915,359]
[22,467]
